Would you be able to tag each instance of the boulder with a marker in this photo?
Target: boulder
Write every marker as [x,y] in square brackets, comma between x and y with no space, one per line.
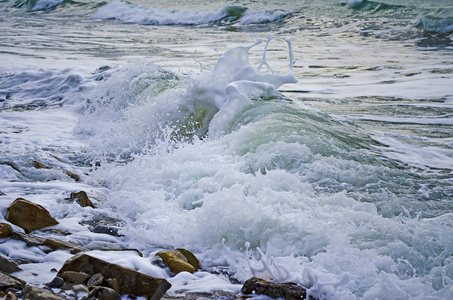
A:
[5,230]
[29,216]
[129,281]
[34,293]
[8,266]
[82,198]
[95,280]
[8,281]
[287,291]
[179,260]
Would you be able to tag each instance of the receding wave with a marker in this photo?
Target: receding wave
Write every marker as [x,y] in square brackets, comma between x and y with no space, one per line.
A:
[435,25]
[36,5]
[130,13]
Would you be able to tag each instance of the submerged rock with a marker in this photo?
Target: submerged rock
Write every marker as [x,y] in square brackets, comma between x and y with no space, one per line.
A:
[34,293]
[29,216]
[82,198]
[39,165]
[129,281]
[179,260]
[2,194]
[287,291]
[53,244]
[215,295]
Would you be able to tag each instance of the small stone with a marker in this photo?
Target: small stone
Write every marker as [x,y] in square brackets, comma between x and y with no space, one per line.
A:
[82,198]
[5,230]
[104,293]
[34,293]
[72,175]
[74,277]
[176,261]
[95,280]
[8,266]
[56,282]
[29,216]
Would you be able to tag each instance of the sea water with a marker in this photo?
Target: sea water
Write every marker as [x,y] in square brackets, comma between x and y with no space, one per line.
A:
[295,141]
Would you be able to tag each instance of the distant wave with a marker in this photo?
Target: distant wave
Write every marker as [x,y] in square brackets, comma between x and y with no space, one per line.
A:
[435,25]
[36,5]
[372,6]
[130,13]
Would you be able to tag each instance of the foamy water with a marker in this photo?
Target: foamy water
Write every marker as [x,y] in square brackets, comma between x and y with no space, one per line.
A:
[323,157]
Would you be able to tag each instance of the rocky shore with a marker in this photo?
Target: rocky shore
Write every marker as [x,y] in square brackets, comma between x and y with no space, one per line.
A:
[84,276]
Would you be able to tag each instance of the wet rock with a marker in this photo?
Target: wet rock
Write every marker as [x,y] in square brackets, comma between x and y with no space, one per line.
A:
[191,258]
[113,284]
[74,277]
[72,175]
[95,280]
[38,165]
[110,230]
[103,293]
[5,230]
[56,282]
[34,293]
[29,216]
[82,198]
[177,261]
[53,244]
[287,291]
[2,194]
[129,281]
[8,266]
[11,296]
[8,281]
[12,165]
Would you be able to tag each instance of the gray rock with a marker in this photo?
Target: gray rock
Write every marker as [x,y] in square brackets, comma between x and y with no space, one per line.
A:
[8,281]
[34,293]
[104,293]
[8,266]
[287,291]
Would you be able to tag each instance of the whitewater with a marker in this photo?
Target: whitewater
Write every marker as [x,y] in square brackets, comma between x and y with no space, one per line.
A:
[303,142]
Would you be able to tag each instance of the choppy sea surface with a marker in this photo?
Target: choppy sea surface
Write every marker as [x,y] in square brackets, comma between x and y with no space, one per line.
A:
[291,140]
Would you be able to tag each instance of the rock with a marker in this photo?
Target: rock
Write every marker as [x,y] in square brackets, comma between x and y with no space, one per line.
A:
[104,293]
[95,280]
[29,216]
[106,229]
[8,266]
[56,282]
[74,277]
[5,230]
[8,281]
[32,241]
[113,284]
[215,295]
[39,165]
[287,291]
[11,296]
[2,194]
[82,198]
[191,259]
[129,281]
[12,165]
[34,293]
[72,175]
[177,261]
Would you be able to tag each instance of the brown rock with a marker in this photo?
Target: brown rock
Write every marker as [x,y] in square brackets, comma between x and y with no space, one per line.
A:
[95,280]
[72,175]
[8,266]
[10,296]
[74,277]
[8,281]
[34,293]
[29,216]
[57,244]
[39,165]
[104,293]
[113,284]
[176,261]
[82,198]
[287,291]
[5,230]
[129,281]
[191,258]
